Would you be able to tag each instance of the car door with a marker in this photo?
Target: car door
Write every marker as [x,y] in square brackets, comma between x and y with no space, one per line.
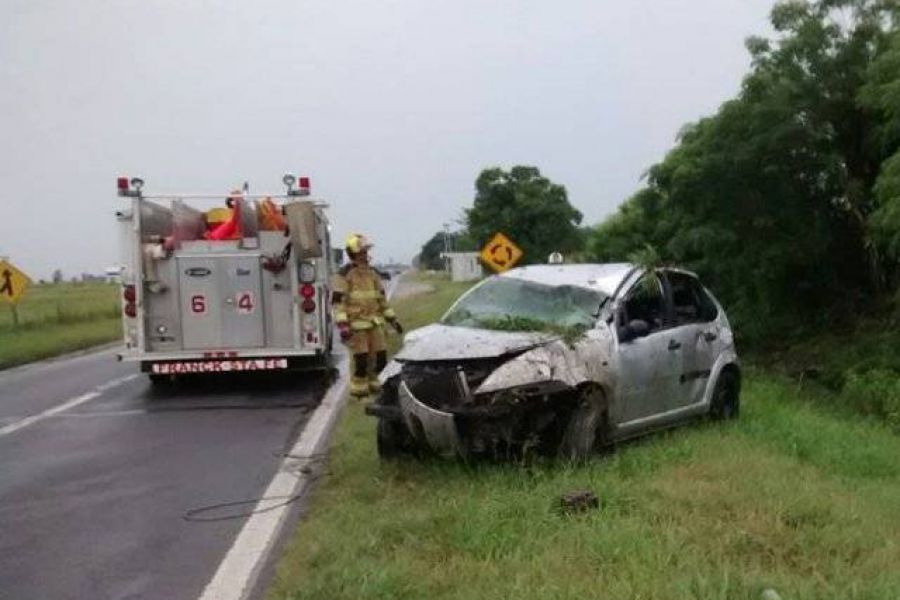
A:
[694,329]
[647,367]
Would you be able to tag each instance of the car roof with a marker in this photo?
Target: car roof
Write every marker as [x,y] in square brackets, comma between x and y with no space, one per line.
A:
[605,278]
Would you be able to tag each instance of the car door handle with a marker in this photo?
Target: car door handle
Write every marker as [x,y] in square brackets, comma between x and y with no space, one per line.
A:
[673,345]
[710,336]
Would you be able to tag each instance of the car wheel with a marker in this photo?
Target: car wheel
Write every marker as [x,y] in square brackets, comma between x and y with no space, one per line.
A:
[586,427]
[726,399]
[392,439]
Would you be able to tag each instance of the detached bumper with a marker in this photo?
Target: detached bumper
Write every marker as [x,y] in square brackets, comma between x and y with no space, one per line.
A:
[433,428]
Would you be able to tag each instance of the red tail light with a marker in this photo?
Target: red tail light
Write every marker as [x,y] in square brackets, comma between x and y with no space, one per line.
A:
[129,293]
[130,310]
[303,183]
[309,305]
[122,184]
[307,290]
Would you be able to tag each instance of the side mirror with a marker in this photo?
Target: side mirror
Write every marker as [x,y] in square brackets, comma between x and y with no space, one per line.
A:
[636,328]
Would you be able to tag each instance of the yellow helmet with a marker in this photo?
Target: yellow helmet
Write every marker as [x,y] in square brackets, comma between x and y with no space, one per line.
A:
[357,242]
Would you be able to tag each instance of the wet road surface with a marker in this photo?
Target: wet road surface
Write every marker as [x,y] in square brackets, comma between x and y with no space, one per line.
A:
[93,496]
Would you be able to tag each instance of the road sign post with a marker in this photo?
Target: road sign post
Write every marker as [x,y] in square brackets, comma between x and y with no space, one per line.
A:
[501,254]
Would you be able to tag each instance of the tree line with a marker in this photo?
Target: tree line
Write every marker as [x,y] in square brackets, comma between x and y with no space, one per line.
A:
[786,201]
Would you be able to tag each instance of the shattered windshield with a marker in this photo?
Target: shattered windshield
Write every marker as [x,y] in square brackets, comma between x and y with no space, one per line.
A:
[514,304]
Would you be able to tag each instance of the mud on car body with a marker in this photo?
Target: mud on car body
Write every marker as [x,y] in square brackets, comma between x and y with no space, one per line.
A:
[560,359]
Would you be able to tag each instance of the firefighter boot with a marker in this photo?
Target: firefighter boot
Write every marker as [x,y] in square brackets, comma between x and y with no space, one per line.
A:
[359,381]
[380,363]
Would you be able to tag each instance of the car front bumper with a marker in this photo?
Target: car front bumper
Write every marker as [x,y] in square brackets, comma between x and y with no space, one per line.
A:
[433,428]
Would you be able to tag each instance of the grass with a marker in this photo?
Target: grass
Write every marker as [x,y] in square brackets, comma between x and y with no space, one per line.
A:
[59,318]
[792,496]
[858,366]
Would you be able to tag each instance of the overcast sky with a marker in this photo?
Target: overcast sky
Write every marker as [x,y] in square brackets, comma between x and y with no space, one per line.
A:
[391,106]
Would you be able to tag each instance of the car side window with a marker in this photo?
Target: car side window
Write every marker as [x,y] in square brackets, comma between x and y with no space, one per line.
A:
[645,302]
[690,302]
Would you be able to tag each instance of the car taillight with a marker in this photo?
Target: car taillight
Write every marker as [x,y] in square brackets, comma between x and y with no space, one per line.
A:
[309,305]
[129,293]
[122,185]
[307,291]
[130,310]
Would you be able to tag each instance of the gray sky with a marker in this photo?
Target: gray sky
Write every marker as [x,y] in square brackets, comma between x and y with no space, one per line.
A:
[392,107]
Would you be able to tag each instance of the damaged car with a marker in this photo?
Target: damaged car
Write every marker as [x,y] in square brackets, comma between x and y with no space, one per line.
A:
[560,360]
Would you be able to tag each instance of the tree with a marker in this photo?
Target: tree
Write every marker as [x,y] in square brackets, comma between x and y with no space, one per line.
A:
[529,208]
[57,276]
[780,199]
[881,94]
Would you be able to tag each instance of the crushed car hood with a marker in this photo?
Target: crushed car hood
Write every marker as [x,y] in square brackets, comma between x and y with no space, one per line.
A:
[443,342]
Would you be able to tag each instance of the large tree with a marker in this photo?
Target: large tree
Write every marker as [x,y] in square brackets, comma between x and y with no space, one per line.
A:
[526,206]
[775,198]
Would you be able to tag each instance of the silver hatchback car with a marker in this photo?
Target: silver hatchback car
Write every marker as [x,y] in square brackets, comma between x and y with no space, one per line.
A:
[560,359]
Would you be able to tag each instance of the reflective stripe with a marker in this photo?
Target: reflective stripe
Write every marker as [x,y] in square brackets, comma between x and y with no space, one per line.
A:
[340,317]
[389,313]
[359,386]
[365,295]
[361,325]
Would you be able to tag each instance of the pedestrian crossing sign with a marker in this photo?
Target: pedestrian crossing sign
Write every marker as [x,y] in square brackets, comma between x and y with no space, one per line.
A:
[12,283]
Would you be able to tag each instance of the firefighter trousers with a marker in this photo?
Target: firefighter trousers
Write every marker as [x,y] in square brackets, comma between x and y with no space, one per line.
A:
[369,357]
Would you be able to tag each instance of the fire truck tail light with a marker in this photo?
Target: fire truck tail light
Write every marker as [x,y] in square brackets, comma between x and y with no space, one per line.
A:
[122,184]
[303,183]
[130,310]
[129,293]
[309,305]
[307,291]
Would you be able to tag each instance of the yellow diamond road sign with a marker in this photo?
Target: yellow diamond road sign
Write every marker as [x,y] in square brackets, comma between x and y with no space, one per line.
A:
[500,253]
[12,283]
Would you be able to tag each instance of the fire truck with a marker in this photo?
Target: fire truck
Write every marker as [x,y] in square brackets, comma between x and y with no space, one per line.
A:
[242,286]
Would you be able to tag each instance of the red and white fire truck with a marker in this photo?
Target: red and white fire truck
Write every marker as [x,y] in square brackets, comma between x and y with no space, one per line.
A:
[234,282]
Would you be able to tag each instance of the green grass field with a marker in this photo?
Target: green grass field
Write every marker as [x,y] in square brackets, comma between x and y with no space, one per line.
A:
[793,496]
[59,318]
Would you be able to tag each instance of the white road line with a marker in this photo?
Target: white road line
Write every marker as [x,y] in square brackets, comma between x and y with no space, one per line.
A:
[239,571]
[68,404]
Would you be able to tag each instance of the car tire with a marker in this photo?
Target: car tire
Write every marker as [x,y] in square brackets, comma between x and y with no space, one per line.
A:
[392,439]
[586,426]
[726,398]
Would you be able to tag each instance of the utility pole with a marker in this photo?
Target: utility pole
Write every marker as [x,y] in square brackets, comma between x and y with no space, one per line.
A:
[446,247]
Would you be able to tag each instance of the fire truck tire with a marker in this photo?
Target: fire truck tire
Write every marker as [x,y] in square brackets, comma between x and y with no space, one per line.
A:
[158,380]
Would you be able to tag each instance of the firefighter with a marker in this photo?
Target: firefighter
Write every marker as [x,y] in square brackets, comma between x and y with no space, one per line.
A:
[361,312]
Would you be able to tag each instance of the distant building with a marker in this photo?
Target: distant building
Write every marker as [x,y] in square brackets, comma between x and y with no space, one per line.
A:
[464,266]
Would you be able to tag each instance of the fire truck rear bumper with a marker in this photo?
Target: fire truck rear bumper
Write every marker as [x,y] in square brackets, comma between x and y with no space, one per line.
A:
[223,361]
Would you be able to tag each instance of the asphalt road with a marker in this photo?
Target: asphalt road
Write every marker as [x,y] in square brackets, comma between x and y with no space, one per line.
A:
[93,498]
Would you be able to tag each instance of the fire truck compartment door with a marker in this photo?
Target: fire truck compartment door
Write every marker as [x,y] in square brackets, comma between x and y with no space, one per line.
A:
[221,305]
